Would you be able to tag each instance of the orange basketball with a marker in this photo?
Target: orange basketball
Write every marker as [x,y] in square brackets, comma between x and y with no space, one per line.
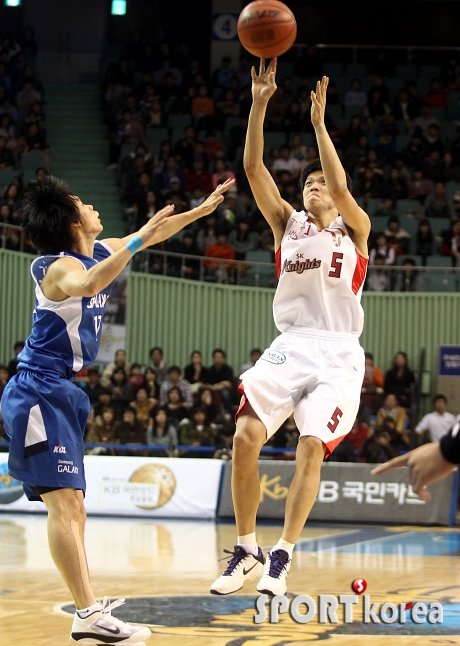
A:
[267,28]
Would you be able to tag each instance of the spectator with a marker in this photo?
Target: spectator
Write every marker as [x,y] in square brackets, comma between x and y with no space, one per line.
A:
[119,361]
[175,406]
[409,278]
[143,405]
[103,432]
[243,239]
[221,250]
[175,379]
[287,436]
[158,364]
[221,378]
[91,384]
[6,155]
[434,425]
[358,435]
[395,230]
[378,279]
[355,95]
[254,356]
[286,161]
[424,239]
[150,382]
[162,433]
[3,381]
[198,176]
[129,431]
[197,431]
[419,186]
[221,173]
[400,380]
[195,372]
[382,248]
[377,448]
[210,402]
[120,390]
[203,108]
[13,363]
[437,204]
[372,389]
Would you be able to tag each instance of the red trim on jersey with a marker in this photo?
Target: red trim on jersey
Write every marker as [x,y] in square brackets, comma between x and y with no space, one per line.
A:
[360,272]
[278,262]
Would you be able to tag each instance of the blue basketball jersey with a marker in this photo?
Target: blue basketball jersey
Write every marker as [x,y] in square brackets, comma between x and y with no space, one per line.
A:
[65,334]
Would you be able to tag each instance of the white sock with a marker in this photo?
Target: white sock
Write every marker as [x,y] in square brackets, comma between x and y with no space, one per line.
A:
[86,612]
[249,543]
[284,545]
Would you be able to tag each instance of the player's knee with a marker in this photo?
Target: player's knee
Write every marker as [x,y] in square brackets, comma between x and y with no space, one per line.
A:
[310,450]
[248,438]
[65,504]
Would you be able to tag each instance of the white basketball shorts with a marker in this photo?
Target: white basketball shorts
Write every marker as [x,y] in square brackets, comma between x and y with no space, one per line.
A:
[315,374]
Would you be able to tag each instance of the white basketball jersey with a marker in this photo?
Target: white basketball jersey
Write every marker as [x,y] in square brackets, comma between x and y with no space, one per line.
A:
[321,276]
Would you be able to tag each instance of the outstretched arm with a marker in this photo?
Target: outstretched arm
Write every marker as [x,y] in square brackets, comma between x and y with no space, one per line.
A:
[353,215]
[66,277]
[266,194]
[426,464]
[175,223]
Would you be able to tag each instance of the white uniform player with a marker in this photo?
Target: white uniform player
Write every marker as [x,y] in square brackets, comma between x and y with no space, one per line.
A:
[315,368]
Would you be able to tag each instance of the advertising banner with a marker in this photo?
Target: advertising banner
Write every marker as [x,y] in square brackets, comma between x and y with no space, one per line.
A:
[348,492]
[133,486]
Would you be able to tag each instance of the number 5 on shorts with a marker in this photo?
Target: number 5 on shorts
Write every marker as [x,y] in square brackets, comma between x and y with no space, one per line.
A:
[335,419]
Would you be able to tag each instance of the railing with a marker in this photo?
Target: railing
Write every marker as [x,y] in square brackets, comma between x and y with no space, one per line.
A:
[180,449]
[432,278]
[12,237]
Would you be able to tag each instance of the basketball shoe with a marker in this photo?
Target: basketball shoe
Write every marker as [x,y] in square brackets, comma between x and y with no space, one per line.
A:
[101,628]
[276,568]
[241,566]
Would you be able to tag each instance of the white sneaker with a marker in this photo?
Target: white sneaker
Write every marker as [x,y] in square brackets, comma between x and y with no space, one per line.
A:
[101,628]
[241,566]
[276,568]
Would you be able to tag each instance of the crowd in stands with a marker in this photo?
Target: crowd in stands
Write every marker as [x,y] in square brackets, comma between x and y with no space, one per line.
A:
[24,150]
[163,410]
[176,130]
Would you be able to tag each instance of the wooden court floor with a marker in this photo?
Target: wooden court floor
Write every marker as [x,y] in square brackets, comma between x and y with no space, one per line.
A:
[164,568]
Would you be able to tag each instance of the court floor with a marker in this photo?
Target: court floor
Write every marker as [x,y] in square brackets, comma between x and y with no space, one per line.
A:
[164,568]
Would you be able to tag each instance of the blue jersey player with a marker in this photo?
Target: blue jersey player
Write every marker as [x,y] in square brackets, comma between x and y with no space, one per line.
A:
[44,411]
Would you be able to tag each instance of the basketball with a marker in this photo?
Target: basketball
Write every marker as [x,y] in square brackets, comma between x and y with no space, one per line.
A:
[266,28]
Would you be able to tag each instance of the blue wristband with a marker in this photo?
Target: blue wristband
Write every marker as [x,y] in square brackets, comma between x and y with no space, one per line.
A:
[134,244]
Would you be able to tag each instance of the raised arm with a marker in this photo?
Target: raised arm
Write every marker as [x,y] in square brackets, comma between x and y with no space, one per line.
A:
[266,194]
[355,218]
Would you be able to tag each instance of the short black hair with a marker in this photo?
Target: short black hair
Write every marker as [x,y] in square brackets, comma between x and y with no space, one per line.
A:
[49,210]
[314,166]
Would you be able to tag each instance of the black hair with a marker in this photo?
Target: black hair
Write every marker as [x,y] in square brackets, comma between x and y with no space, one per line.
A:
[439,397]
[314,166]
[49,210]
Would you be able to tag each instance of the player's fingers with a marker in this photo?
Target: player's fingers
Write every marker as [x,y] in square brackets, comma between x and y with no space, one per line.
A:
[400,461]
[422,492]
[221,188]
[273,64]
[262,66]
[253,73]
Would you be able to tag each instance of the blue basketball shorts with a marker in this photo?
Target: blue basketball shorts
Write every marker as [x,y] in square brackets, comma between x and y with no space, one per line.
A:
[45,418]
